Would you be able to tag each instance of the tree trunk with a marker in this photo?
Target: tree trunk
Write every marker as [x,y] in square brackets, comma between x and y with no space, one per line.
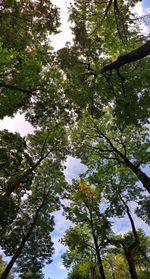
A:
[27,172]
[99,260]
[129,251]
[137,241]
[140,175]
[131,263]
[13,259]
[132,56]
[23,242]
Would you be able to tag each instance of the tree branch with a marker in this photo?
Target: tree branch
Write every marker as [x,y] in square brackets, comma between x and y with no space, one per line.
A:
[130,57]
[14,87]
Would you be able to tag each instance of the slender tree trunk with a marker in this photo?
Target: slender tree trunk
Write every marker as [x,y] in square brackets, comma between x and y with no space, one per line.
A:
[140,175]
[23,242]
[13,259]
[131,263]
[137,242]
[99,260]
[130,250]
[11,188]
[113,274]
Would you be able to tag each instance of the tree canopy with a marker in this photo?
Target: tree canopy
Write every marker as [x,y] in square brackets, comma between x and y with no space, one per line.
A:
[89,100]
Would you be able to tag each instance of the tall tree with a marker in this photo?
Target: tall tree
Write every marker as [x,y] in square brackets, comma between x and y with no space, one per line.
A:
[104,141]
[29,74]
[34,221]
[14,159]
[101,34]
[85,209]
[40,146]
[80,256]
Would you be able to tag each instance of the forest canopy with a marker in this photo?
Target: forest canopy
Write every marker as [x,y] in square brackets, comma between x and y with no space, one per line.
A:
[88,100]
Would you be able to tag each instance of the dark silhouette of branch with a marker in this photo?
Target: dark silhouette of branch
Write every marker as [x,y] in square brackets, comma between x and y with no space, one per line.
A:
[139,173]
[130,57]
[25,238]
[14,87]
[12,187]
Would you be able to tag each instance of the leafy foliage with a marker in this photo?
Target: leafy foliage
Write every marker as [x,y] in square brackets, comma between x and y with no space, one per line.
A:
[90,100]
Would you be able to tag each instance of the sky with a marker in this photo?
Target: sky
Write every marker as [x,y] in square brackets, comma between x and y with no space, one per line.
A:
[56,270]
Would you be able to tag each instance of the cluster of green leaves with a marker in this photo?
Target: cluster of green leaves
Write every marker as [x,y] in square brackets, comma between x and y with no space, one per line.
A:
[30,78]
[97,43]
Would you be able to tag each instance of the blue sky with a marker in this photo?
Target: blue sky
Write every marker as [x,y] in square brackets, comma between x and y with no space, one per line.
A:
[146,3]
[74,168]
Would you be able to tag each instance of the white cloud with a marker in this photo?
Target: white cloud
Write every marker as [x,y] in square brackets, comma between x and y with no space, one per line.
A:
[140,11]
[74,168]
[60,266]
[61,225]
[16,124]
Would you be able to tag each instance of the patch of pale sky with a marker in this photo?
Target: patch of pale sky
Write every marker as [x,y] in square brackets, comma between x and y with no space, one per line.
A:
[60,266]
[74,168]
[140,11]
[59,40]
[59,247]
[16,124]
[122,225]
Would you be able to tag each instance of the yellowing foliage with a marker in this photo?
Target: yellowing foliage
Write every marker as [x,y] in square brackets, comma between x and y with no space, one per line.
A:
[86,189]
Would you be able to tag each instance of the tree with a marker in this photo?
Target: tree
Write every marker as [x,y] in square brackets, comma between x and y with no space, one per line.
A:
[14,159]
[115,262]
[98,141]
[83,94]
[2,267]
[127,242]
[117,193]
[80,255]
[101,36]
[41,145]
[84,209]
[32,275]
[34,222]
[131,241]
[115,265]
[21,75]
[135,55]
